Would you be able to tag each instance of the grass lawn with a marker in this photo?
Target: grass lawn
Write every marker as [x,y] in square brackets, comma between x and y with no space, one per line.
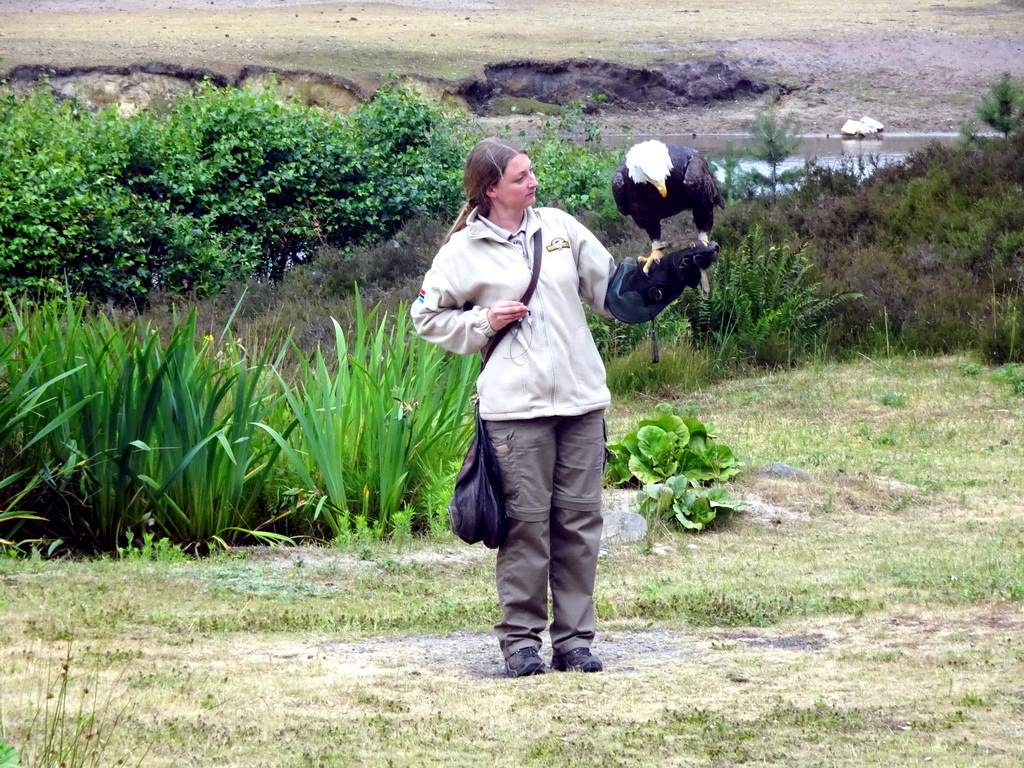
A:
[869,615]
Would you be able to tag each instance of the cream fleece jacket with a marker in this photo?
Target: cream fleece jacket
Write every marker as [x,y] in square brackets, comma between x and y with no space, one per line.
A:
[547,365]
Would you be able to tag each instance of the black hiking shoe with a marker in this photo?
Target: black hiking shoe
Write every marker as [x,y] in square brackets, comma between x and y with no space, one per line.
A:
[523,663]
[576,660]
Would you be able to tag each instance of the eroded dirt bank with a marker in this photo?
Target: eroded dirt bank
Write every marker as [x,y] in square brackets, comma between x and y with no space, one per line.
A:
[698,83]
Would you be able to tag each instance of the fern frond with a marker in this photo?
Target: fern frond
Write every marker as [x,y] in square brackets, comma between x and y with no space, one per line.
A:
[764,294]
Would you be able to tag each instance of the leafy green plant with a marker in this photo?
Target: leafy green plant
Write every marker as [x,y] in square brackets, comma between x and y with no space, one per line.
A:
[150,550]
[675,458]
[8,756]
[678,499]
[669,445]
[1012,374]
[893,399]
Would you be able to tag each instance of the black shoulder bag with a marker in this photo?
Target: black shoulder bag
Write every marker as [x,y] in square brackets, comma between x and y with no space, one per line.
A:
[477,508]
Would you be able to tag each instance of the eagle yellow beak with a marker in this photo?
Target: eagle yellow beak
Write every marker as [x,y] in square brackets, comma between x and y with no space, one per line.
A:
[661,188]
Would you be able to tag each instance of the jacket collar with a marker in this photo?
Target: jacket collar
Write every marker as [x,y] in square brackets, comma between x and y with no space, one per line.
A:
[478,230]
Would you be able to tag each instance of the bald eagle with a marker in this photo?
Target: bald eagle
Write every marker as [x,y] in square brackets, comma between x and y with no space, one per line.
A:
[657,181]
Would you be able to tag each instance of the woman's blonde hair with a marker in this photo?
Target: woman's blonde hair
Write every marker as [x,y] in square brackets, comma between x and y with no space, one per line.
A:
[484,167]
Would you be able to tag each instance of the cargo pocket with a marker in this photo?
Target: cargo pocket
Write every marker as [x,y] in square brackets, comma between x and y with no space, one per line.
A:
[503,440]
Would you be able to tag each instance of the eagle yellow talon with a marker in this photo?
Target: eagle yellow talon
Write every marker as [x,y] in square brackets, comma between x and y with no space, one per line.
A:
[648,260]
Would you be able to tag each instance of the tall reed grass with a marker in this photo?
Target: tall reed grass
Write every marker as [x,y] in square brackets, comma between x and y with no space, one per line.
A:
[151,435]
[110,430]
[371,432]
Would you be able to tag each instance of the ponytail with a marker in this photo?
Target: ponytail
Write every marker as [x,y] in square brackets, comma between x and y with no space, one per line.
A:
[460,222]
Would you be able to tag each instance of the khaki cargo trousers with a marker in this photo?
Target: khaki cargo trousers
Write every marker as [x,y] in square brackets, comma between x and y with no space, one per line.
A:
[552,470]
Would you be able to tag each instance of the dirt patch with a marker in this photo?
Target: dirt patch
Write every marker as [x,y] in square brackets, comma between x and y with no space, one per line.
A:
[920,82]
[814,642]
[477,655]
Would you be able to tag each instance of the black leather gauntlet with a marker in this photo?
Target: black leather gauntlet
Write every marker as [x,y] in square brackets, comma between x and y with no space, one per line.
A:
[684,266]
[634,297]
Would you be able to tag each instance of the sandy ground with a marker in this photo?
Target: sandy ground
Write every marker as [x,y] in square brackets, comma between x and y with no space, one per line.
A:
[915,66]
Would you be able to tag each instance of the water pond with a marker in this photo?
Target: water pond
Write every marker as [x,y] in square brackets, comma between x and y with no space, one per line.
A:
[825,149]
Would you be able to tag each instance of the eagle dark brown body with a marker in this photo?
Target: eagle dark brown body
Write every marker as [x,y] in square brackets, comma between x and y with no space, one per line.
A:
[690,186]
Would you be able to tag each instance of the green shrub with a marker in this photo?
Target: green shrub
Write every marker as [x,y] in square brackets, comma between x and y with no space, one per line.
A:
[573,174]
[832,181]
[927,242]
[1002,108]
[226,184]
[64,211]
[308,295]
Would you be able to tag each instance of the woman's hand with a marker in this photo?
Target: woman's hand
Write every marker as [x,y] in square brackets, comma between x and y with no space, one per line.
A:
[505,312]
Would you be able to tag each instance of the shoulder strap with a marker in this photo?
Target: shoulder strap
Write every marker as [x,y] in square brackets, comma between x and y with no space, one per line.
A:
[538,251]
[497,337]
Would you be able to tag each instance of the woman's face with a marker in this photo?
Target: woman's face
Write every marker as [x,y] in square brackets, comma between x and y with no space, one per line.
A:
[517,188]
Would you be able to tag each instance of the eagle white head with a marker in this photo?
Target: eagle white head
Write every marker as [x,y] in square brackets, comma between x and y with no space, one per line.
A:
[649,162]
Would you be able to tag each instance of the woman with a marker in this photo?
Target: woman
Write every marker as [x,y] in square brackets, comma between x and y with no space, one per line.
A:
[542,394]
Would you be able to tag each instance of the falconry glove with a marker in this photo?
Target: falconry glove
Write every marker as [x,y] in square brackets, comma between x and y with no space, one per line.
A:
[636,297]
[689,265]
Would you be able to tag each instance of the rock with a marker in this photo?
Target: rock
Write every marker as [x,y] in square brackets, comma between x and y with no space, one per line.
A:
[852,128]
[866,126]
[784,470]
[872,124]
[623,527]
